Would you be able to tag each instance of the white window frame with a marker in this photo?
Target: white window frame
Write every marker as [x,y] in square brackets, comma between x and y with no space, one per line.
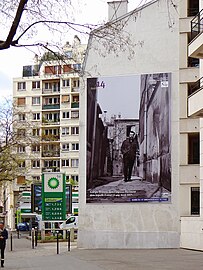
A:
[36,164]
[65,131]
[35,100]
[36,116]
[66,115]
[74,163]
[74,130]
[21,86]
[36,85]
[74,147]
[65,163]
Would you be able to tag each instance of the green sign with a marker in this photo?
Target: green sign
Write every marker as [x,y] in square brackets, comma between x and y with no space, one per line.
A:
[53,196]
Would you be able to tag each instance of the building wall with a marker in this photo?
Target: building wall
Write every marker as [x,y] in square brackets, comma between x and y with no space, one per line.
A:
[135,225]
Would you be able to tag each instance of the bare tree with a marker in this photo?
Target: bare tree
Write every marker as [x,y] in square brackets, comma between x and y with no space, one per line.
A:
[15,138]
[22,19]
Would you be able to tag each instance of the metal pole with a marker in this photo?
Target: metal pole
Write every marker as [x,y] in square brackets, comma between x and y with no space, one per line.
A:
[33,237]
[11,242]
[68,240]
[57,242]
[18,234]
[36,235]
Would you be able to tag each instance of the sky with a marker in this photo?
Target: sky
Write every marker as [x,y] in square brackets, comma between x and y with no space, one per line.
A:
[12,60]
[124,88]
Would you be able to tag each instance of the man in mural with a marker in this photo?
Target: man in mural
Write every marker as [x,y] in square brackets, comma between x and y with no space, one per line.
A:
[129,150]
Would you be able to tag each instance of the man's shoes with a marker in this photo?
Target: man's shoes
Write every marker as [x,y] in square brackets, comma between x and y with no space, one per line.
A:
[2,263]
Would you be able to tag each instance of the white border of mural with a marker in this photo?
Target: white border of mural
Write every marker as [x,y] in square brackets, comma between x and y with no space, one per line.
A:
[129,139]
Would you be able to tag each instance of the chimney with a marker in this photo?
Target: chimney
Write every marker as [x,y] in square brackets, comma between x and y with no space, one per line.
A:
[117,9]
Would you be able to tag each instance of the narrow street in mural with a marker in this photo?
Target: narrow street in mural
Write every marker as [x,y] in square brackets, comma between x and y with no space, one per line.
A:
[129,139]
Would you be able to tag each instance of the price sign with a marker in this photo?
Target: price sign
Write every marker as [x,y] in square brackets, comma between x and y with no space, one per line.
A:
[53,196]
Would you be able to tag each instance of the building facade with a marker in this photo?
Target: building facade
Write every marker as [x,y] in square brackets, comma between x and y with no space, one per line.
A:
[47,103]
[157,35]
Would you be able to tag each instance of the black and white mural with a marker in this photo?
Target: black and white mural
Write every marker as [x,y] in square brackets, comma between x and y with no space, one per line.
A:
[128,155]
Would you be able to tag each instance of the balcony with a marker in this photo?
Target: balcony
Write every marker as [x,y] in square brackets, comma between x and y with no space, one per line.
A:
[195,47]
[195,100]
[51,122]
[50,137]
[51,107]
[51,153]
[50,91]
[50,169]
[75,89]
[75,105]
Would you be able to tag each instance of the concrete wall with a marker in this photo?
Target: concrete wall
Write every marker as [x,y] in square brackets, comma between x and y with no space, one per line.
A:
[135,225]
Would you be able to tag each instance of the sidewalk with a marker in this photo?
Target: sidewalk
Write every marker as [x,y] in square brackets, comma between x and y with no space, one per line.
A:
[44,257]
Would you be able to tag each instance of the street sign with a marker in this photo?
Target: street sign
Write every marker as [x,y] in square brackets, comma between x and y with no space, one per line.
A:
[53,196]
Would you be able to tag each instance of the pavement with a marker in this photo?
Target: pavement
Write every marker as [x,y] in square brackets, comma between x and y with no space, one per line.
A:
[45,257]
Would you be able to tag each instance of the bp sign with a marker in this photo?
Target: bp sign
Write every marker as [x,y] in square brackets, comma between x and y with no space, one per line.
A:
[53,196]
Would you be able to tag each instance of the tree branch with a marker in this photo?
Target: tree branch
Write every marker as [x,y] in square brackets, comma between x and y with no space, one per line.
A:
[6,44]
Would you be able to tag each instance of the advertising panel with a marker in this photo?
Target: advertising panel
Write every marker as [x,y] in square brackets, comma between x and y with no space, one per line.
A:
[128,154]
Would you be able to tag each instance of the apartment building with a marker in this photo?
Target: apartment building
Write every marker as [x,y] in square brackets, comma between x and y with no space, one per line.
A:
[191,230]
[156,59]
[47,99]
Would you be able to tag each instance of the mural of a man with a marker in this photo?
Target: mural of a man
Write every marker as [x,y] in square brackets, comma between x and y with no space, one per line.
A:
[129,150]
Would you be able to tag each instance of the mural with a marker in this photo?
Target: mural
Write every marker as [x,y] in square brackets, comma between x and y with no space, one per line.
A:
[128,139]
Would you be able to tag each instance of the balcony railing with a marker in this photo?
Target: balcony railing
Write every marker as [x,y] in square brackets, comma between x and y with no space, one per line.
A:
[75,105]
[51,107]
[50,137]
[197,25]
[51,153]
[197,86]
[50,91]
[50,169]
[51,122]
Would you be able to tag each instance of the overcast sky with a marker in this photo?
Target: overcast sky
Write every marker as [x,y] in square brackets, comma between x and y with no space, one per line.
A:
[121,95]
[13,59]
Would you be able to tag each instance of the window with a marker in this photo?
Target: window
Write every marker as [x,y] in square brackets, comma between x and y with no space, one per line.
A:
[74,130]
[65,162]
[21,86]
[65,115]
[66,83]
[65,147]
[75,177]
[36,178]
[67,68]
[75,146]
[35,132]
[74,163]
[36,148]
[53,69]
[193,148]
[75,114]
[21,149]
[51,163]
[36,101]
[22,164]
[65,99]
[21,132]
[77,66]
[47,86]
[21,101]
[36,116]
[76,83]
[65,131]
[21,117]
[20,180]
[195,201]
[36,85]
[35,163]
